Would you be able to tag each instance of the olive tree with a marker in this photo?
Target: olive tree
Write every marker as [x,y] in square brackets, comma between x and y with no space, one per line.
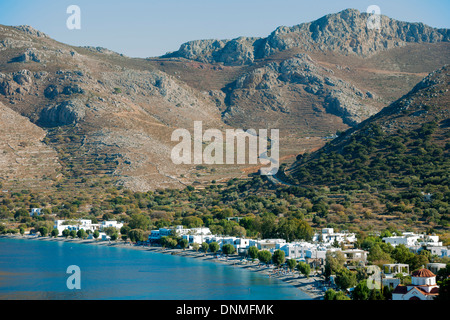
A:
[264,256]
[278,257]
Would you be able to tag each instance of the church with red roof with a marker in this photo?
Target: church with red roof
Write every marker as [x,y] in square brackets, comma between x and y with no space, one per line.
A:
[423,287]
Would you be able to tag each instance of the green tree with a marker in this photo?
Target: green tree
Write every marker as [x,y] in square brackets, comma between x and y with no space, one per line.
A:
[125,230]
[345,279]
[292,263]
[341,296]
[183,243]
[361,291]
[43,231]
[195,246]
[278,257]
[205,247]
[172,243]
[378,257]
[444,290]
[418,261]
[228,249]
[73,233]
[376,294]
[214,247]
[21,213]
[139,221]
[81,234]
[109,230]
[253,252]
[22,231]
[334,261]
[66,233]
[55,232]
[114,236]
[443,273]
[402,254]
[136,235]
[330,294]
[264,256]
[192,222]
[96,234]
[304,268]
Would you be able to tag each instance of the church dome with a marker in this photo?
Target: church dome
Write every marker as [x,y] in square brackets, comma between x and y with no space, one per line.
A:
[423,273]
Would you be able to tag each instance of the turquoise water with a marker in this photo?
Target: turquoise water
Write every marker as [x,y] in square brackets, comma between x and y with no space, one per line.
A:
[33,269]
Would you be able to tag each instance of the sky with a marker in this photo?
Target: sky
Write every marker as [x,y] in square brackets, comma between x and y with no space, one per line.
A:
[138,28]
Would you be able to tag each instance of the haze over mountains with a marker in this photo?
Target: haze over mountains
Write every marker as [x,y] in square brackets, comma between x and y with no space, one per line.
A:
[101,113]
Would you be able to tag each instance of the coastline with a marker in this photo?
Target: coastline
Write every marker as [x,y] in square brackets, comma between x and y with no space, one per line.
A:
[310,286]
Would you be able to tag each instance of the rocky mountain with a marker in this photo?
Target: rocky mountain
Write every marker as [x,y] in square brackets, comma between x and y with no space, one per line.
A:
[346,32]
[105,114]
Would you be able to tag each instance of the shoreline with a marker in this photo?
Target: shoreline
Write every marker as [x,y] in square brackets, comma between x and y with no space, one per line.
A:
[309,286]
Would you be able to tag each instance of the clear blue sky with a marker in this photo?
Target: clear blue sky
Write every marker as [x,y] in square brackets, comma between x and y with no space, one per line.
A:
[139,28]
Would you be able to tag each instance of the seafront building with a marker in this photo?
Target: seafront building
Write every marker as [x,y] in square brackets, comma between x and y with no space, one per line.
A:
[85,224]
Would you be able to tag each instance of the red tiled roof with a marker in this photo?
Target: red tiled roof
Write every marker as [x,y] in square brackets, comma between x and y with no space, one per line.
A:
[435,290]
[432,291]
[423,273]
[400,289]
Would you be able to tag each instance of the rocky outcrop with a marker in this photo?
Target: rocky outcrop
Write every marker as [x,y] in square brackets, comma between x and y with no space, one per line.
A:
[31,54]
[31,31]
[345,32]
[338,97]
[64,113]
[237,51]
[16,83]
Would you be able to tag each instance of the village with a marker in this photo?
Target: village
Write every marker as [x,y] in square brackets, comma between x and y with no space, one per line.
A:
[422,286]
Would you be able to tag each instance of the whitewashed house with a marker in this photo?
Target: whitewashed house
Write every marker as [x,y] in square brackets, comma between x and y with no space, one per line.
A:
[84,224]
[295,250]
[112,223]
[328,236]
[35,212]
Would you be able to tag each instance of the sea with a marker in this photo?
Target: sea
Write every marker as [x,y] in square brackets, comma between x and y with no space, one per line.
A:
[43,270]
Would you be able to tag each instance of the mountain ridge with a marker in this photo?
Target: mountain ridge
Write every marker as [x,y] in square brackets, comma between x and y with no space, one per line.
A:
[315,35]
[107,114]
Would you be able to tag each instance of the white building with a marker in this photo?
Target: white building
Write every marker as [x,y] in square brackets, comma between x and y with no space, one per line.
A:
[328,236]
[194,235]
[267,244]
[410,239]
[355,255]
[35,212]
[435,267]
[76,225]
[295,250]
[112,223]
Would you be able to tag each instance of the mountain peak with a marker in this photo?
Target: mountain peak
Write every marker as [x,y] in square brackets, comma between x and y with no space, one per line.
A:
[31,31]
[345,32]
